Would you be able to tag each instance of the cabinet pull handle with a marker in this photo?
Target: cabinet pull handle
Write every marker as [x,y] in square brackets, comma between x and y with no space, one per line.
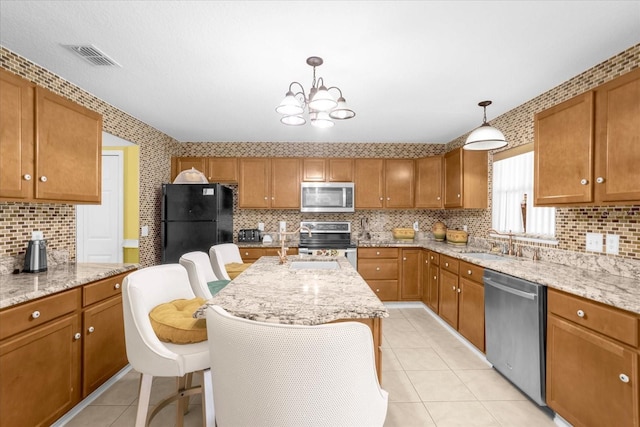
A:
[599,180]
[91,329]
[43,178]
[35,314]
[469,272]
[26,177]
[116,286]
[580,313]
[584,181]
[77,336]
[624,378]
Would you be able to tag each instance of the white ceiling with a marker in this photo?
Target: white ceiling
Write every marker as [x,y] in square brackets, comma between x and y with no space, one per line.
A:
[413,71]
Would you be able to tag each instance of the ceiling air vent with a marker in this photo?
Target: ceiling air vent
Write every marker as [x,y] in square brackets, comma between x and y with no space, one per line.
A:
[93,55]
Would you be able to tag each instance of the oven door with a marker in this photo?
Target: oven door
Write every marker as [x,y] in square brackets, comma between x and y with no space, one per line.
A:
[350,253]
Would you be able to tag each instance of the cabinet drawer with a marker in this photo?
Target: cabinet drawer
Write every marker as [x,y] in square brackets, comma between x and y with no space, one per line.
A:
[609,321]
[378,269]
[471,271]
[449,264]
[251,254]
[386,290]
[38,312]
[378,252]
[102,289]
[434,258]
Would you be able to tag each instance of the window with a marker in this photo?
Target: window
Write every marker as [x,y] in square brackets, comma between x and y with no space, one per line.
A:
[512,179]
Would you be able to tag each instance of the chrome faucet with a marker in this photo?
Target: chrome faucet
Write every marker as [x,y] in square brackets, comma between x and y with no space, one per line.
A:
[510,235]
[282,253]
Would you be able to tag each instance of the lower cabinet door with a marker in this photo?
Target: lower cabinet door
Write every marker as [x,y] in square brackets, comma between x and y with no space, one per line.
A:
[591,381]
[104,348]
[448,298]
[40,374]
[432,288]
[471,312]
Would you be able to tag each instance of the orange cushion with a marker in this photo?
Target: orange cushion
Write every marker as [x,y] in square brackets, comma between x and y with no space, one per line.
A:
[235,268]
[174,322]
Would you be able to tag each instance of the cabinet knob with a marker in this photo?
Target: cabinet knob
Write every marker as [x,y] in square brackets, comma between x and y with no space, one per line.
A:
[431,257]
[469,272]
[377,290]
[43,178]
[599,180]
[580,313]
[35,314]
[584,181]
[26,177]
[404,258]
[435,277]
[116,286]
[624,378]
[388,198]
[459,290]
[381,198]
[246,253]
[91,329]
[377,252]
[77,336]
[266,198]
[446,264]
[453,287]
[377,268]
[438,198]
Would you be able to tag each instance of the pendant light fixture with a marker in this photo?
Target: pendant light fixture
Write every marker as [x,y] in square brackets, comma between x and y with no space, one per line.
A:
[322,107]
[486,137]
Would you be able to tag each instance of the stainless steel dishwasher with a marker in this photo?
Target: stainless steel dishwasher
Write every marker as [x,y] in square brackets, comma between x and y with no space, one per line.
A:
[515,322]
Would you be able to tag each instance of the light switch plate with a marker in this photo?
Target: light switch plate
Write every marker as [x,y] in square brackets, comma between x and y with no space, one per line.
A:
[594,242]
[613,244]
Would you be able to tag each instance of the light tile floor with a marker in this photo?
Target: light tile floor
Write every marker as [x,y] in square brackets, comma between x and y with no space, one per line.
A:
[432,378]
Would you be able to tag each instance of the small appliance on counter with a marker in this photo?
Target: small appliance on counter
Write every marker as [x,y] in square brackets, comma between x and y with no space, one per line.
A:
[250,235]
[35,260]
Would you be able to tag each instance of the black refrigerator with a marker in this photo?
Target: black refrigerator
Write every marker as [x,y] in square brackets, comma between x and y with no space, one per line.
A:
[194,217]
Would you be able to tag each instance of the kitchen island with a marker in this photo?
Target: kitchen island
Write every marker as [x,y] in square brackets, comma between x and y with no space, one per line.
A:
[272,292]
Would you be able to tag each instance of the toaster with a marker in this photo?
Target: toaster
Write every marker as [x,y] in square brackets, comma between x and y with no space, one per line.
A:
[250,235]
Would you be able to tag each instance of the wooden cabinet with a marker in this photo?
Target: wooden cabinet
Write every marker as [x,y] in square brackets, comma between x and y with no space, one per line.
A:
[40,366]
[430,273]
[465,179]
[379,267]
[429,182]
[384,183]
[592,362]
[252,254]
[269,183]
[471,304]
[410,275]
[216,169]
[327,170]
[461,298]
[587,148]
[56,350]
[63,163]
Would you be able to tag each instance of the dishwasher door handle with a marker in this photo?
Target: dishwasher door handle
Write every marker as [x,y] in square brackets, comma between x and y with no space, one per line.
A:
[527,295]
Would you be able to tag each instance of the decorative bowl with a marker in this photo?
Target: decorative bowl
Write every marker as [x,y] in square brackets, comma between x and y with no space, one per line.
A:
[403,233]
[439,231]
[457,237]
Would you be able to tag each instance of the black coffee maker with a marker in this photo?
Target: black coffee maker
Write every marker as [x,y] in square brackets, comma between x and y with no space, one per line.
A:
[35,260]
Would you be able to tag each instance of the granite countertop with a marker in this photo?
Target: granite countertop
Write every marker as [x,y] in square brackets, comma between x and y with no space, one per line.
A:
[615,290]
[23,287]
[270,292]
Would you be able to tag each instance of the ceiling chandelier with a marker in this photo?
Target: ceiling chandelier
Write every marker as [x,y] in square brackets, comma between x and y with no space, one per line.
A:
[486,137]
[321,105]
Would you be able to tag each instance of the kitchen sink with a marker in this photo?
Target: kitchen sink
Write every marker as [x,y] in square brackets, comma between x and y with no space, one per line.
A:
[486,256]
[315,265]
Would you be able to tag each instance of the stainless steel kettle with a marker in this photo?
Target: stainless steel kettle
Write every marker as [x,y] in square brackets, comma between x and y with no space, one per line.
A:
[35,260]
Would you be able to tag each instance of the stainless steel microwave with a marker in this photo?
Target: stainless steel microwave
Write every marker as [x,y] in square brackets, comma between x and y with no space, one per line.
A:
[327,197]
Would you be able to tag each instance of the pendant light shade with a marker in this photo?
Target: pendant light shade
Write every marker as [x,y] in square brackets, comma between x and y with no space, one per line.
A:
[486,137]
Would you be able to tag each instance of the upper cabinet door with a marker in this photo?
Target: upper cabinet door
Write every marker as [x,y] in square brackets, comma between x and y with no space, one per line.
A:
[16,136]
[563,150]
[285,183]
[179,164]
[429,182]
[617,175]
[314,170]
[399,183]
[68,150]
[453,179]
[369,183]
[222,169]
[340,170]
[253,183]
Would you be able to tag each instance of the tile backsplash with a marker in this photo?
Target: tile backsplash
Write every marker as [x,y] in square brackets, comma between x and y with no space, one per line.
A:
[17,220]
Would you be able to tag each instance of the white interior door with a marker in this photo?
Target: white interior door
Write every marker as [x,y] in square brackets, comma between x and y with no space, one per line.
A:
[99,231]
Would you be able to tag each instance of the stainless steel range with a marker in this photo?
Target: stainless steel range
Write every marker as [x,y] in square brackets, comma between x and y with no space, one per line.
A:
[328,236]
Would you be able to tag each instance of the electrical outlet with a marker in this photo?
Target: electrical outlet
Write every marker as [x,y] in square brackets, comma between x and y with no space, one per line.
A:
[594,242]
[416,226]
[613,244]
[144,231]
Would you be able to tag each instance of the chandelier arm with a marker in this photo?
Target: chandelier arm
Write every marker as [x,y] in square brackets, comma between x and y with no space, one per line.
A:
[336,88]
